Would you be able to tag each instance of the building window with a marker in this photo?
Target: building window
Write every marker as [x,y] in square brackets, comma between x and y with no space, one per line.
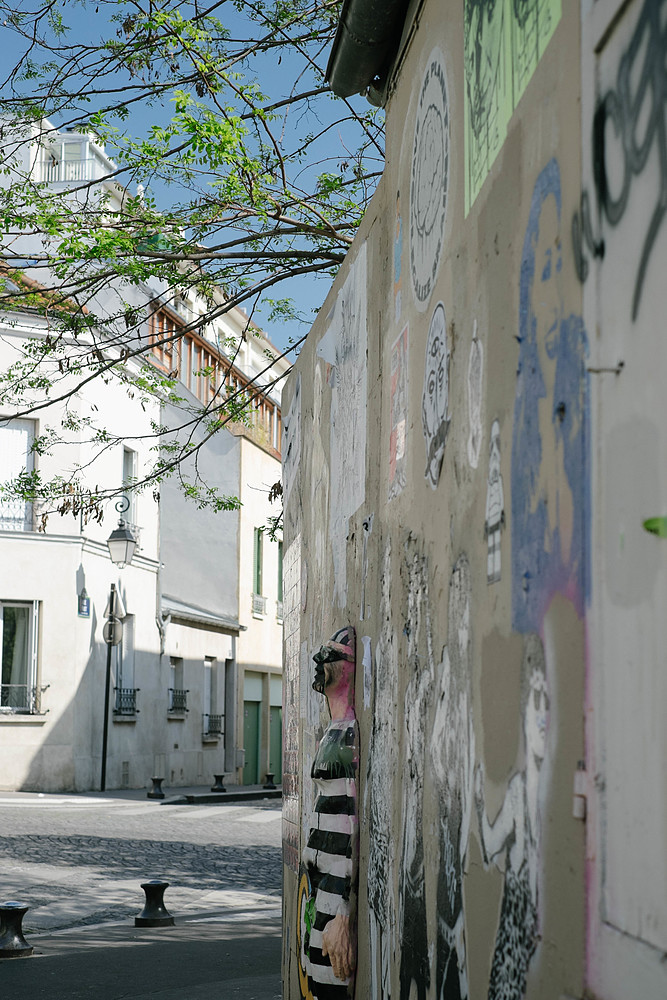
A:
[258,602]
[125,691]
[279,602]
[213,718]
[178,696]
[129,513]
[257,561]
[16,456]
[19,630]
[163,336]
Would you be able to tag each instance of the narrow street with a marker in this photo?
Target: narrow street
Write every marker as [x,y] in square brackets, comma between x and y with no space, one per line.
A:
[78,861]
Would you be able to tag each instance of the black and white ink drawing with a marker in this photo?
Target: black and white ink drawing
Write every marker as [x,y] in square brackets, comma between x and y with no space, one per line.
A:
[435,395]
[415,966]
[514,837]
[475,399]
[382,764]
[452,758]
[495,507]
[429,179]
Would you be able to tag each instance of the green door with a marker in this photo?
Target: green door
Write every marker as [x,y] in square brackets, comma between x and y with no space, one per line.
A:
[251,742]
[276,743]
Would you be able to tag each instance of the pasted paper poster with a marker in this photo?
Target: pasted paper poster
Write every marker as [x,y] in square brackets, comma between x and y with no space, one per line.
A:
[504,41]
[399,414]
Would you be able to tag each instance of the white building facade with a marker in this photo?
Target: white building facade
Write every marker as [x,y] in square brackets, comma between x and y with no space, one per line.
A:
[201,623]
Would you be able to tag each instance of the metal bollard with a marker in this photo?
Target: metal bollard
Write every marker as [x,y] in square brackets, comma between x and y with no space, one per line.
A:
[219,785]
[154,913]
[12,942]
[156,791]
[270,783]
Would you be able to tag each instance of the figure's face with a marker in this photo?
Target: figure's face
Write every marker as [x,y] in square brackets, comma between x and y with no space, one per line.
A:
[327,668]
[546,292]
[537,715]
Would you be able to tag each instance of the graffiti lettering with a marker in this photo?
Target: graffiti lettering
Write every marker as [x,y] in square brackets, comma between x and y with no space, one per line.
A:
[637,128]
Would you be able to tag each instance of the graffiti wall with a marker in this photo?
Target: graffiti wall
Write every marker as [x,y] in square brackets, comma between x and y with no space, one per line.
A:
[475,440]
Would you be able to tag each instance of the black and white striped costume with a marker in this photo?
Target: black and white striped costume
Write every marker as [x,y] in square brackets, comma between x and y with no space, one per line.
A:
[329,852]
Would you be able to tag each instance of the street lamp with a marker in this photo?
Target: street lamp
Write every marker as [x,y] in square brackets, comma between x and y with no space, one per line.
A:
[121,543]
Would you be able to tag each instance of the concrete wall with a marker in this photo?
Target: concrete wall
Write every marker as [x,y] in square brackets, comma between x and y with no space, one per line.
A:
[466,471]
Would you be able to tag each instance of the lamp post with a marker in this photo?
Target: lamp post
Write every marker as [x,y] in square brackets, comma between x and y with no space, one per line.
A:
[122,544]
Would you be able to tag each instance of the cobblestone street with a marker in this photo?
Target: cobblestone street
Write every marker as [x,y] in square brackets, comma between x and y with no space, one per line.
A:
[78,862]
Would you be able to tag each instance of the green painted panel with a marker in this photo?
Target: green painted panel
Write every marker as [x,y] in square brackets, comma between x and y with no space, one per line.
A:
[251,713]
[276,743]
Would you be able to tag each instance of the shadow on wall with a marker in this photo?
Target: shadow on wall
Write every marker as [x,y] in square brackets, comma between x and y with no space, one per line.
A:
[69,757]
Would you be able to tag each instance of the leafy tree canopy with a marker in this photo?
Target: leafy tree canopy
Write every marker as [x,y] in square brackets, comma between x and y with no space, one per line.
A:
[224,163]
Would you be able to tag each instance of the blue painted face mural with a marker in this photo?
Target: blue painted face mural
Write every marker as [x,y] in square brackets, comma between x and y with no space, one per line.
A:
[550,473]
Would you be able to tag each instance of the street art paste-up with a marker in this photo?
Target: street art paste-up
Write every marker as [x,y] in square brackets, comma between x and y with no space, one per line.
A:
[291,675]
[381,768]
[487,92]
[399,415]
[367,530]
[514,835]
[319,501]
[292,440]
[414,949]
[475,399]
[628,126]
[344,348]
[495,507]
[328,908]
[398,261]
[435,395]
[429,179]
[550,463]
[504,41]
[453,757]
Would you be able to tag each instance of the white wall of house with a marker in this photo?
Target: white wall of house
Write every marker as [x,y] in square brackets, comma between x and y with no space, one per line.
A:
[181,665]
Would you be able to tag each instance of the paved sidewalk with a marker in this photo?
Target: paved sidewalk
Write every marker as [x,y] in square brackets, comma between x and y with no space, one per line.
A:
[195,960]
[78,861]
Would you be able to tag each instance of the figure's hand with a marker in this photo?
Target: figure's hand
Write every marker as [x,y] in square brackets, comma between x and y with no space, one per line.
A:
[338,944]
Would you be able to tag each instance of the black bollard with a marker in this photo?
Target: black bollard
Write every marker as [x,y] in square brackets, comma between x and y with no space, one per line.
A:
[12,942]
[219,785]
[270,783]
[156,791]
[154,913]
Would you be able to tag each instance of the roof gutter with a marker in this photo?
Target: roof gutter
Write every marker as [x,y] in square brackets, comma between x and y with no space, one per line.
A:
[366,43]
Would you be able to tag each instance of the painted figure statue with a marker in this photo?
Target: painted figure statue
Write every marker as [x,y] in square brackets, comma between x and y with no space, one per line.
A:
[331,854]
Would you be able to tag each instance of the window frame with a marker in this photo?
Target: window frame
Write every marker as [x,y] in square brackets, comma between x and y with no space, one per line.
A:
[32,685]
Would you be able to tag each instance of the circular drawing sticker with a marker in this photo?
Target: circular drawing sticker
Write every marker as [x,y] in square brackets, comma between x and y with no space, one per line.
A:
[428,184]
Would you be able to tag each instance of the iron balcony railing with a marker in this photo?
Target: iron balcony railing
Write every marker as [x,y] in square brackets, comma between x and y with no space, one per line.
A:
[16,515]
[212,725]
[126,701]
[178,700]
[21,699]
[258,604]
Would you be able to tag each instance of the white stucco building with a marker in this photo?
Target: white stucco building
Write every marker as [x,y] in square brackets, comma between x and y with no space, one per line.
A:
[195,683]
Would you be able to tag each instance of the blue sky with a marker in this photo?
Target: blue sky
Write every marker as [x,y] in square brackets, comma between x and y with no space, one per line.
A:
[278,76]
